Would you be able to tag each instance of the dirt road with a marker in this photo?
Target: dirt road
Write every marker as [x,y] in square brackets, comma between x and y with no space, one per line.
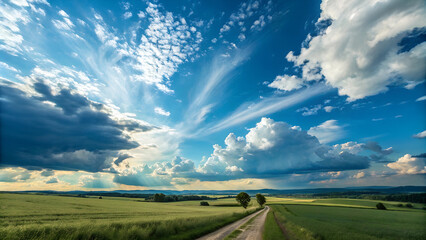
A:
[252,231]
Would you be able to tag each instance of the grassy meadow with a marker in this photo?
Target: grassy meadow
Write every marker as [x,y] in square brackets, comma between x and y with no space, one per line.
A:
[343,219]
[29,216]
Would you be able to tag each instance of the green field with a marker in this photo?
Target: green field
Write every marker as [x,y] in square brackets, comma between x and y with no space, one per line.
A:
[27,216]
[344,219]
[30,216]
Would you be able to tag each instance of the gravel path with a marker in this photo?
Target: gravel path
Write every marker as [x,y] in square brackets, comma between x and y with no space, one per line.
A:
[254,229]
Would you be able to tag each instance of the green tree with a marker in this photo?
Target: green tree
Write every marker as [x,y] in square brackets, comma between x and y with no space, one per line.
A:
[380,206]
[260,199]
[243,198]
[159,197]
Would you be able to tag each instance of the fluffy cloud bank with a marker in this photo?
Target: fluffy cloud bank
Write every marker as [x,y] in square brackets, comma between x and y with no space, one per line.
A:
[410,164]
[270,149]
[363,47]
[60,130]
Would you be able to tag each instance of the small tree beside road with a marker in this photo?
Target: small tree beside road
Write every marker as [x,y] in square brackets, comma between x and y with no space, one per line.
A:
[243,199]
[260,199]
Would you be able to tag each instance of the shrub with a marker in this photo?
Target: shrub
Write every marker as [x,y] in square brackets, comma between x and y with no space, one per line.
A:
[100,197]
[204,203]
[399,205]
[409,205]
[380,206]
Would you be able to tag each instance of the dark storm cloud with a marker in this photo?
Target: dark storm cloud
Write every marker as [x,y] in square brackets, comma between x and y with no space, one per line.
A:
[121,158]
[422,155]
[74,134]
[375,147]
[381,153]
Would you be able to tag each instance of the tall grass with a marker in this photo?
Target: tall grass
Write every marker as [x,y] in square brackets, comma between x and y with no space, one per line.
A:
[188,228]
[27,216]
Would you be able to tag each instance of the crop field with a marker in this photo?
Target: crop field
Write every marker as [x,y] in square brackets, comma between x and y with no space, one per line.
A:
[30,216]
[27,216]
[344,219]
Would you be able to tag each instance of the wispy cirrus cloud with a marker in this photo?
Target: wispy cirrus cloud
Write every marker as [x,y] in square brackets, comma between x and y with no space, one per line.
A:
[248,111]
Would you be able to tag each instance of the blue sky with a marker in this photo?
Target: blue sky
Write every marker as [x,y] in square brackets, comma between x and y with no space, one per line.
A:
[212,94]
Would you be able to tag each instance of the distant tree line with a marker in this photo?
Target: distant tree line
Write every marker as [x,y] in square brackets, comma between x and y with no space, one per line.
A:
[110,194]
[402,197]
[160,197]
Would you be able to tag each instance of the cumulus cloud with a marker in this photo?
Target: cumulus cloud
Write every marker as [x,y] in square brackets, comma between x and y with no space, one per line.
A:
[286,83]
[161,111]
[273,148]
[61,130]
[328,131]
[127,15]
[409,164]
[420,135]
[359,175]
[360,48]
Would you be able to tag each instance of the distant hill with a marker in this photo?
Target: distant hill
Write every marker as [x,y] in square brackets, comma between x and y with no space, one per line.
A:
[370,189]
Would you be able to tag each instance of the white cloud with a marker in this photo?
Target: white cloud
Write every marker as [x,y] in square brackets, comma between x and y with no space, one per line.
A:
[21,3]
[328,108]
[421,99]
[63,14]
[328,131]
[65,23]
[8,67]
[166,43]
[161,111]
[241,36]
[258,24]
[409,165]
[420,135]
[313,110]
[359,175]
[10,37]
[225,28]
[127,15]
[359,53]
[287,83]
[141,14]
[277,148]
[233,169]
